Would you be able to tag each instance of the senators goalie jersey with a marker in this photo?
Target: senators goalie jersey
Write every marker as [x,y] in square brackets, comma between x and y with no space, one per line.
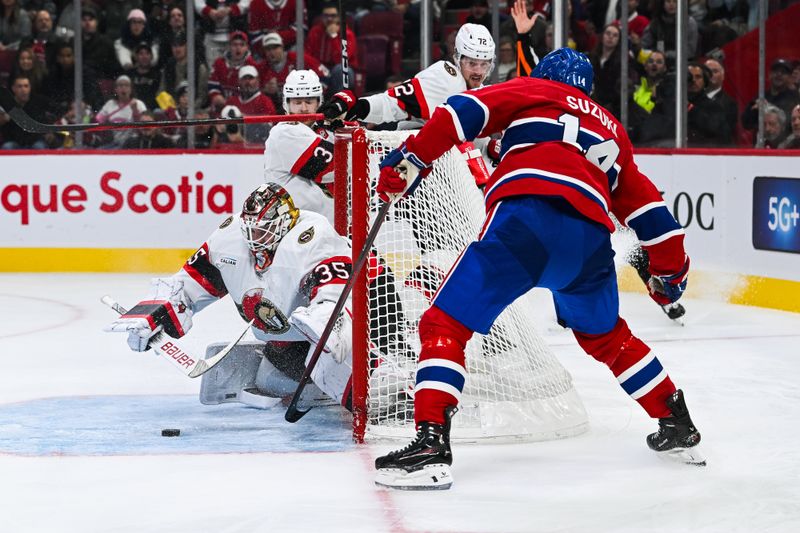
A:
[558,142]
[310,267]
[301,161]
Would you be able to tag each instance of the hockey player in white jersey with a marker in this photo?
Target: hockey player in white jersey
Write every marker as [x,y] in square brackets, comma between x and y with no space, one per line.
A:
[418,97]
[284,268]
[298,157]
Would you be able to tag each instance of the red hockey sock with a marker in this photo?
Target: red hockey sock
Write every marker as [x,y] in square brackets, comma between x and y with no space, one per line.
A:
[637,369]
[440,373]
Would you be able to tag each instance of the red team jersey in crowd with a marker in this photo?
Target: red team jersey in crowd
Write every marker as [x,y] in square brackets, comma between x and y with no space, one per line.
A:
[264,17]
[329,49]
[558,142]
[258,104]
[224,78]
[267,71]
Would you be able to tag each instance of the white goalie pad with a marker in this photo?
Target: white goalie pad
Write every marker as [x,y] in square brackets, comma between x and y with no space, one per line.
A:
[246,376]
[224,382]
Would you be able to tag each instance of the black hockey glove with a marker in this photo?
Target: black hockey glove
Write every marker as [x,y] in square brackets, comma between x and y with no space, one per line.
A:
[359,111]
[339,104]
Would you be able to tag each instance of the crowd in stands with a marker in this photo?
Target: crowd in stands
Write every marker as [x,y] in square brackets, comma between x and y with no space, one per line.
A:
[135,63]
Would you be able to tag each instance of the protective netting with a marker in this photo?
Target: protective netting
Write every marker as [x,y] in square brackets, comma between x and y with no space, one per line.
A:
[516,388]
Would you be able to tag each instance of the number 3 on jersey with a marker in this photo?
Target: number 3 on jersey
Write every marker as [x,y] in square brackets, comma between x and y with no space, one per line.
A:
[601,153]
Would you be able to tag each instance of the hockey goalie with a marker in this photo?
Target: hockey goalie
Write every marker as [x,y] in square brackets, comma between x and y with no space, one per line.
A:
[285,269]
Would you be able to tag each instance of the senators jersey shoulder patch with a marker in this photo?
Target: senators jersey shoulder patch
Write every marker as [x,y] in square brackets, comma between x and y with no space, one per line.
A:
[306,236]
[450,69]
[226,222]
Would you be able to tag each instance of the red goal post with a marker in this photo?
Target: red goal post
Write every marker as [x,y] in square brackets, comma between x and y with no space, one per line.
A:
[516,389]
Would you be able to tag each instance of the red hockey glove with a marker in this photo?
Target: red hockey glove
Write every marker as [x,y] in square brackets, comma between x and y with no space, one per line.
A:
[668,289]
[493,151]
[339,104]
[401,172]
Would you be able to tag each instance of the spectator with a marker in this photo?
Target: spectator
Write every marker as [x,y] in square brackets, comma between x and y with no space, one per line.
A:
[228,136]
[14,137]
[224,79]
[251,101]
[115,16]
[324,43]
[707,124]
[145,78]
[780,94]
[652,109]
[278,64]
[274,16]
[203,134]
[98,50]
[637,22]
[728,106]
[219,19]
[175,72]
[796,74]
[506,59]
[176,24]
[27,64]
[607,66]
[529,31]
[67,140]
[134,33]
[123,108]
[479,14]
[60,83]
[792,142]
[660,33]
[15,24]
[774,126]
[150,138]
[43,40]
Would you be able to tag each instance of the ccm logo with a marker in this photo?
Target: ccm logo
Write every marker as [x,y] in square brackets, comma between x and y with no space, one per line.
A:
[177,354]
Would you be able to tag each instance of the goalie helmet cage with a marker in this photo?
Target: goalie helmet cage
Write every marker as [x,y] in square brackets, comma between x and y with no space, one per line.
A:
[516,389]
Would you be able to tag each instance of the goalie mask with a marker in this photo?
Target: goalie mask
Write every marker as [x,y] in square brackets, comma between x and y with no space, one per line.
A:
[474,42]
[301,84]
[267,216]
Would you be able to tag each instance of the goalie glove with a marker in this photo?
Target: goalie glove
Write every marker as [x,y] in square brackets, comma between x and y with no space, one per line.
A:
[164,311]
[667,289]
[339,104]
[311,321]
[401,172]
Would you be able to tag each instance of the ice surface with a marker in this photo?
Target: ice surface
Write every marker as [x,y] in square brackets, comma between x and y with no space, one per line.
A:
[81,451]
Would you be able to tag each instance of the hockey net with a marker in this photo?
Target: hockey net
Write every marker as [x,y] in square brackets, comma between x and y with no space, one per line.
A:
[516,389]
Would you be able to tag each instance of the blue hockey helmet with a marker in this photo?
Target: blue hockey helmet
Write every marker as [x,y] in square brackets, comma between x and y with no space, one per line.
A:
[565,65]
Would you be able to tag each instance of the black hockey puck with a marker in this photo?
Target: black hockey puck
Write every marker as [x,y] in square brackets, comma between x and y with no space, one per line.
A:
[170,432]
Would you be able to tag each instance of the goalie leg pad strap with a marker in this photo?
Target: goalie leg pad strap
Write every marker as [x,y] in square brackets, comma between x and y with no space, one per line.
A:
[637,369]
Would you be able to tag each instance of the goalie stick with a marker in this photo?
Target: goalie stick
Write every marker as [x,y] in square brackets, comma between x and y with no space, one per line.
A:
[293,413]
[168,348]
[29,124]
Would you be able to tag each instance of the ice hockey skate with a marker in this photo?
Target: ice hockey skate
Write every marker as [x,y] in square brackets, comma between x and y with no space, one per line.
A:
[677,438]
[422,465]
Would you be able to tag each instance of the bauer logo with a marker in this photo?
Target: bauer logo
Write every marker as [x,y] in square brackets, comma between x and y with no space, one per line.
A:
[776,214]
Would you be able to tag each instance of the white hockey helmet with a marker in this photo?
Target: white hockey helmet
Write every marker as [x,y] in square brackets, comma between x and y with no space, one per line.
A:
[267,216]
[301,84]
[474,41]
[230,111]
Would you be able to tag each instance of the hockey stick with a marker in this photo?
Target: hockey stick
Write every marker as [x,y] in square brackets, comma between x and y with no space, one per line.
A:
[345,53]
[29,124]
[168,348]
[293,414]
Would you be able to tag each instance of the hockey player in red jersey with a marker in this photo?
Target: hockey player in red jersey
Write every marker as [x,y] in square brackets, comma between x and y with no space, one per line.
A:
[298,157]
[284,268]
[566,165]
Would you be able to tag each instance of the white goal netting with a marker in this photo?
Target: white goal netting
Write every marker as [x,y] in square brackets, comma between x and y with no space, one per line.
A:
[516,388]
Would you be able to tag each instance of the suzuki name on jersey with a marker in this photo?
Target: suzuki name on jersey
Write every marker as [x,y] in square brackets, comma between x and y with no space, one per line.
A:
[590,108]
